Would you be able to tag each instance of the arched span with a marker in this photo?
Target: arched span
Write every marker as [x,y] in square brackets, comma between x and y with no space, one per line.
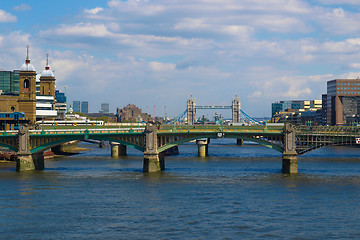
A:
[57,142]
[303,151]
[8,147]
[121,142]
[42,148]
[214,135]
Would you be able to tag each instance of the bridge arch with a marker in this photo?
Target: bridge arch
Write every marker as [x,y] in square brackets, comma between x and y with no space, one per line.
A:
[56,142]
[12,148]
[304,151]
[182,140]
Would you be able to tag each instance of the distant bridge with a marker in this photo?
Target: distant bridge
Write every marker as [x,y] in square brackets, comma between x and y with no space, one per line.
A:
[154,140]
[191,108]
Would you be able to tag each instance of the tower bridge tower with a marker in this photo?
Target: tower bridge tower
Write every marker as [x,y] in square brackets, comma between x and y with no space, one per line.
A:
[191,111]
[236,108]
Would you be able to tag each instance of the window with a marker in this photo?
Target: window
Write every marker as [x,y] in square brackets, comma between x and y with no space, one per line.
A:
[26,85]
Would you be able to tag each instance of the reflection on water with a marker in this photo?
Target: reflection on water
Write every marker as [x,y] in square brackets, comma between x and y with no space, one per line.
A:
[237,192]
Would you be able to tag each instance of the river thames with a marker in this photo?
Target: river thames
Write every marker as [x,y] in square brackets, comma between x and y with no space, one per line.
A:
[238,192]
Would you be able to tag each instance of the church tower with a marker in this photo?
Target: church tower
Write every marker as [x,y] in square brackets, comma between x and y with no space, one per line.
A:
[27,89]
[47,81]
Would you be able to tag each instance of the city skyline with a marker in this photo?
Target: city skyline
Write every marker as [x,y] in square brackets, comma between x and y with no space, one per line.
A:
[160,52]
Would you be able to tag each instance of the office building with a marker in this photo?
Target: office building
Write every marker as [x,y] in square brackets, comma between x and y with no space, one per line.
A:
[9,82]
[85,107]
[299,112]
[60,97]
[282,106]
[343,101]
[104,108]
[76,106]
[60,105]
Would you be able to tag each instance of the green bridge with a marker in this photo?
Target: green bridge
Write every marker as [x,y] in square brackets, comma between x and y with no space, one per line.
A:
[154,140]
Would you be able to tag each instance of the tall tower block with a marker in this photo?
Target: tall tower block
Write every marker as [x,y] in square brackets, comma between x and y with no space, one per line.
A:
[47,81]
[27,89]
[236,107]
[191,111]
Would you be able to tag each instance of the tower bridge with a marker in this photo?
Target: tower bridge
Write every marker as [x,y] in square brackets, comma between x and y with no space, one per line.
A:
[191,108]
[154,140]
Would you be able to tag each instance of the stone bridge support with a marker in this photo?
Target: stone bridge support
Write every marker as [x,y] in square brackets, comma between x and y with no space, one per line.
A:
[203,147]
[117,149]
[25,160]
[289,159]
[153,162]
[239,141]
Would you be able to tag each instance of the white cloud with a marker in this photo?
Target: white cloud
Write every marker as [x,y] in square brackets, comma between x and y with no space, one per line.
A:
[7,17]
[80,29]
[158,66]
[93,11]
[350,75]
[141,7]
[348,45]
[354,65]
[337,2]
[337,21]
[23,7]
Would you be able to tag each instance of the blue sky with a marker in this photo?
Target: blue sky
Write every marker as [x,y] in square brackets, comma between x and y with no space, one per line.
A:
[159,52]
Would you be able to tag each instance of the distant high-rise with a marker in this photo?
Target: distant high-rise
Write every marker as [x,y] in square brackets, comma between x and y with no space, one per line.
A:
[76,106]
[104,108]
[84,107]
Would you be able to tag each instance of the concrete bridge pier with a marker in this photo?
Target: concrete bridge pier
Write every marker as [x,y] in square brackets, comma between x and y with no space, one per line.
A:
[151,162]
[289,163]
[151,155]
[239,141]
[25,160]
[117,149]
[203,147]
[162,161]
[289,160]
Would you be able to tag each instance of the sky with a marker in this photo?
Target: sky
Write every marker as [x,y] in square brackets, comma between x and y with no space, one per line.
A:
[159,52]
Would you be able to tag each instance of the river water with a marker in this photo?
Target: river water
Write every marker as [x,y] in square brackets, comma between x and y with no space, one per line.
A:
[238,192]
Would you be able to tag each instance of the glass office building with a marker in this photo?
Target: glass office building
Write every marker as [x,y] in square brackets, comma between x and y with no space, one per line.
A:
[9,81]
[84,107]
[76,106]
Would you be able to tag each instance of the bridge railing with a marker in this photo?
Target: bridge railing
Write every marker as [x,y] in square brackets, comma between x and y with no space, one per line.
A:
[220,128]
[84,130]
[8,132]
[328,130]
